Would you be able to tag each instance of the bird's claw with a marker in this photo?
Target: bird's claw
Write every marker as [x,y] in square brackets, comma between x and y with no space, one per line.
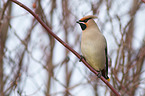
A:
[82,57]
[99,74]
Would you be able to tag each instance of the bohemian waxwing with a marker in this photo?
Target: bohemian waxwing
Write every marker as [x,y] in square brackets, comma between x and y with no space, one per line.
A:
[94,46]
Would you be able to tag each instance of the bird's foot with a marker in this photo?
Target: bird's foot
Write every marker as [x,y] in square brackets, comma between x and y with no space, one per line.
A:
[82,57]
[99,74]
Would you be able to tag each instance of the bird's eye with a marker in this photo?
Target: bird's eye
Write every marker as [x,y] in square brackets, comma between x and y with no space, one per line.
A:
[86,20]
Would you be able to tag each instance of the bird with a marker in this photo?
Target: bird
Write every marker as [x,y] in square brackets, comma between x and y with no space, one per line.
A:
[94,46]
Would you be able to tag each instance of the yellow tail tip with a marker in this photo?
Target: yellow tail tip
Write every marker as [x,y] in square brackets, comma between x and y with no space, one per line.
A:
[108,79]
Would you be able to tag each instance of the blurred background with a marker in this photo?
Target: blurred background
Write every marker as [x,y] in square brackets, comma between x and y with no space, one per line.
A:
[33,63]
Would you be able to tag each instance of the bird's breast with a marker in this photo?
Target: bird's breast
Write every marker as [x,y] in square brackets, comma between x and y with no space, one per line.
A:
[93,49]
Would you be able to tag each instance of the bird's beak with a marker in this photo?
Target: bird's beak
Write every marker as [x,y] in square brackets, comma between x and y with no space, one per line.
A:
[77,22]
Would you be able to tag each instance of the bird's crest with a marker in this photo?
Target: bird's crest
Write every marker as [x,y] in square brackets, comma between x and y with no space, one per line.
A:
[88,17]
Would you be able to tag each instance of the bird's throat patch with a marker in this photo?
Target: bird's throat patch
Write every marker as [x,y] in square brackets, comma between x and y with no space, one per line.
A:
[83,26]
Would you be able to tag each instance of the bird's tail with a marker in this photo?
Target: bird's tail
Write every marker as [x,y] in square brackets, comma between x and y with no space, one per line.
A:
[105,75]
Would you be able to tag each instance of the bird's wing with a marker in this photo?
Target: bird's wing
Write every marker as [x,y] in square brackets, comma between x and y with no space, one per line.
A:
[106,61]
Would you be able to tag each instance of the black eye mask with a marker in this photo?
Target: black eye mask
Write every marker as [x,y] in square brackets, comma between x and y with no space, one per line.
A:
[84,20]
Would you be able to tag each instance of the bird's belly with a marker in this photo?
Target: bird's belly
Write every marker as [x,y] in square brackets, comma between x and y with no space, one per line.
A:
[95,55]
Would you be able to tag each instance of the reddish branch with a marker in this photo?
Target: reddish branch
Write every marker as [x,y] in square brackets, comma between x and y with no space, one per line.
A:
[66,45]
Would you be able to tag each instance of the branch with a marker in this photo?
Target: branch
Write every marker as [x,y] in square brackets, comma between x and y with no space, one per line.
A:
[66,45]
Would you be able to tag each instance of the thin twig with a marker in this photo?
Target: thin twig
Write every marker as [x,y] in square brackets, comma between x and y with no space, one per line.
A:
[66,45]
